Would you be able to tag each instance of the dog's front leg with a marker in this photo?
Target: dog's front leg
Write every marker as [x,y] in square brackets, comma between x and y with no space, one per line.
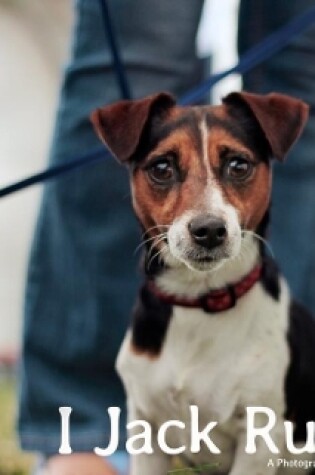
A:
[260,462]
[155,463]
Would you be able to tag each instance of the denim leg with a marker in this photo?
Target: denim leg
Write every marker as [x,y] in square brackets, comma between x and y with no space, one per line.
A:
[292,71]
[82,277]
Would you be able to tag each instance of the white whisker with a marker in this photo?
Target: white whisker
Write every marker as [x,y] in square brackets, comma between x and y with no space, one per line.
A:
[152,247]
[259,238]
[152,238]
[157,226]
[158,253]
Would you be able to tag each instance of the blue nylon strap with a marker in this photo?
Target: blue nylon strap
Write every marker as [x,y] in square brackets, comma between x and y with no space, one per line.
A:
[264,50]
[52,172]
[256,55]
[117,59]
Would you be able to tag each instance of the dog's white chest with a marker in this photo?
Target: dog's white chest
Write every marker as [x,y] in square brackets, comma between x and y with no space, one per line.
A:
[220,363]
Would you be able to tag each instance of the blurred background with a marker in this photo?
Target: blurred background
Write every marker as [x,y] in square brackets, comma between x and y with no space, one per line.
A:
[34,44]
[33,48]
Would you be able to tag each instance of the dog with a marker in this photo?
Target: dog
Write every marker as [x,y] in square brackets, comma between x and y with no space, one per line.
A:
[214,326]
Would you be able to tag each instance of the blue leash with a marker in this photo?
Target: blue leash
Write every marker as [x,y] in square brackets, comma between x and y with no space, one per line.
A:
[259,53]
[117,60]
[264,50]
[52,172]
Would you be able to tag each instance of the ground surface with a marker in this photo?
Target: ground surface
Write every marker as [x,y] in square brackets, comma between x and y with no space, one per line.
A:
[12,461]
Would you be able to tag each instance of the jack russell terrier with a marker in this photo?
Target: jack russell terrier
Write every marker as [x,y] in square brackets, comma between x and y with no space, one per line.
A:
[214,327]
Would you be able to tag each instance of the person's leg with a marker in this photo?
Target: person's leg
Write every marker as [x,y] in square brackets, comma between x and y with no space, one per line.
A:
[292,71]
[82,276]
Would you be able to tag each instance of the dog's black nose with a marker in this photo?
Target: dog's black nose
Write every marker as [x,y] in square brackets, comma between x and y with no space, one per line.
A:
[208,231]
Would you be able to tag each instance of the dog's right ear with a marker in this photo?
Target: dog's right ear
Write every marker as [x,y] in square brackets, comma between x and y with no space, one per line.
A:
[120,126]
[280,117]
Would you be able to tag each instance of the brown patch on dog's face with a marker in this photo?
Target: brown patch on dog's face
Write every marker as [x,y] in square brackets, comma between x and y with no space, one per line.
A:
[252,199]
[161,203]
[249,195]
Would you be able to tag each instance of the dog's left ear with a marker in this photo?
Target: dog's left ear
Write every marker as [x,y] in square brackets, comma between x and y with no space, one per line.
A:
[120,126]
[280,117]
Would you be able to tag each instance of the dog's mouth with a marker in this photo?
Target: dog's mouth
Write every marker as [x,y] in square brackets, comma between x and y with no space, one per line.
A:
[205,259]
[197,260]
[205,262]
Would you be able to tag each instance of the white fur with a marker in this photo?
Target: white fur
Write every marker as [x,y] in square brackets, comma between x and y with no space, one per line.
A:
[204,140]
[180,246]
[222,363]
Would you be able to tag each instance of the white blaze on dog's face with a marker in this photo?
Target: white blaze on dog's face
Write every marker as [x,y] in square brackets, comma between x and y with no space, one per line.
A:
[200,175]
[207,228]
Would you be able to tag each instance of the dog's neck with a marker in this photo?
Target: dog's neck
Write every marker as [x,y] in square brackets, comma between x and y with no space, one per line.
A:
[181,281]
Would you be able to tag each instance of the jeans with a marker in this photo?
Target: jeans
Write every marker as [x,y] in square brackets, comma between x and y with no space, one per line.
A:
[292,71]
[82,275]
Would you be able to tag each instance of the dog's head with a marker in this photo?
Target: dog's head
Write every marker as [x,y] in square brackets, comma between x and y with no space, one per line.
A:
[200,176]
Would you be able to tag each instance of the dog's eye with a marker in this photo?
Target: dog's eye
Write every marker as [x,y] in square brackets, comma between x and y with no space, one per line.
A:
[238,169]
[162,172]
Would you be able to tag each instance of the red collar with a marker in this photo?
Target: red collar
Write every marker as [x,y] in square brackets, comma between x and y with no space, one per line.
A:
[218,300]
